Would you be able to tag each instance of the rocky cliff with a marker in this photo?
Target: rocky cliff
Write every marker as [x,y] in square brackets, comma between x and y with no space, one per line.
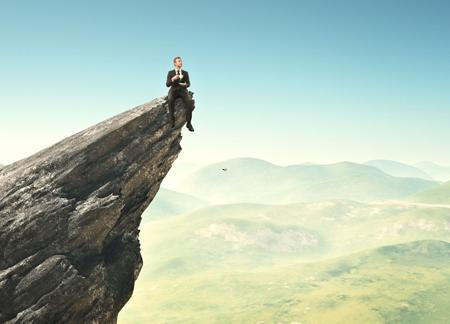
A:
[69,217]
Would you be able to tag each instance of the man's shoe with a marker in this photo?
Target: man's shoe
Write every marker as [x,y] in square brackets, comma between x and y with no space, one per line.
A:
[189,126]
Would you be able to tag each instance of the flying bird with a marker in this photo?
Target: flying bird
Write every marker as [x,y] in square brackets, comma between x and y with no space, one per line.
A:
[224,169]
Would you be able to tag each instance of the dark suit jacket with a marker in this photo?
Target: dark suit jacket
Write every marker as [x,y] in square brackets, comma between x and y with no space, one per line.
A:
[175,84]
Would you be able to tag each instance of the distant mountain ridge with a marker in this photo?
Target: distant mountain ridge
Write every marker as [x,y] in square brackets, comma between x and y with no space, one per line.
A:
[398,169]
[438,172]
[259,181]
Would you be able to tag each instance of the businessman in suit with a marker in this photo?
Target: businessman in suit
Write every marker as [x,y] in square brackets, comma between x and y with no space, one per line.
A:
[178,81]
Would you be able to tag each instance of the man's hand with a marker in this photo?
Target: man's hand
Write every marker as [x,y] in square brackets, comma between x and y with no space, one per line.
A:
[182,84]
[175,77]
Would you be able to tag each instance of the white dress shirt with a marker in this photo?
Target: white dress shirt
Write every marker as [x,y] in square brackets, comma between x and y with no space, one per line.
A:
[181,73]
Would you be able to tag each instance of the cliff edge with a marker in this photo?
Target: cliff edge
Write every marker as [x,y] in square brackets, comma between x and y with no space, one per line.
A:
[70,213]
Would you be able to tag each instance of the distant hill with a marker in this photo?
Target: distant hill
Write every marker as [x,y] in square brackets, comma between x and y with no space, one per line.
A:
[398,169]
[438,195]
[401,283]
[249,236]
[438,172]
[258,181]
[168,203]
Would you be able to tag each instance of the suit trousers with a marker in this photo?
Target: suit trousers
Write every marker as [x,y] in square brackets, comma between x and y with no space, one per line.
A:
[175,93]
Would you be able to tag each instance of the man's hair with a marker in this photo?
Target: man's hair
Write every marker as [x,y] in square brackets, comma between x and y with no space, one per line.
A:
[175,58]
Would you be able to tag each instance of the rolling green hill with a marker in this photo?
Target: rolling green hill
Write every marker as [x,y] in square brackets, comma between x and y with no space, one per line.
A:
[248,236]
[438,195]
[398,169]
[402,283]
[258,181]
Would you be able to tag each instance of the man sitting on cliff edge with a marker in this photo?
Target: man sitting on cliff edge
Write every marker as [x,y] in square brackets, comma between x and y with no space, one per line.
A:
[178,81]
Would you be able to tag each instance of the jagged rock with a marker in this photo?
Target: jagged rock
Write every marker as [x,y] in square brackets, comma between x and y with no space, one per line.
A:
[69,217]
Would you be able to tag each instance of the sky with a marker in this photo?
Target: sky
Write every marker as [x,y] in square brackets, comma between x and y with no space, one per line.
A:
[285,81]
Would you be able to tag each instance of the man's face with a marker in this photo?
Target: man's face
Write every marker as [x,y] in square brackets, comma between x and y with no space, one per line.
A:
[178,63]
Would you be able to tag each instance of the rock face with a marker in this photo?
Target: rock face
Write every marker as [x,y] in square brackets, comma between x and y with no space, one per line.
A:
[69,217]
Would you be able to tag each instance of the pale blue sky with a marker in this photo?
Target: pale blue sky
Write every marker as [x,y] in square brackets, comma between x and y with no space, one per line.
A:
[286,81]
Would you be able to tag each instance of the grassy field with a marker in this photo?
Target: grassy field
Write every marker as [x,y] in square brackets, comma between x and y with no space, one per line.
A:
[402,283]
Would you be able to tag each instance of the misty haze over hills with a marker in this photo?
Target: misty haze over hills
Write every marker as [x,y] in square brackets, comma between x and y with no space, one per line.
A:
[438,172]
[422,170]
[398,169]
[312,240]
[259,181]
